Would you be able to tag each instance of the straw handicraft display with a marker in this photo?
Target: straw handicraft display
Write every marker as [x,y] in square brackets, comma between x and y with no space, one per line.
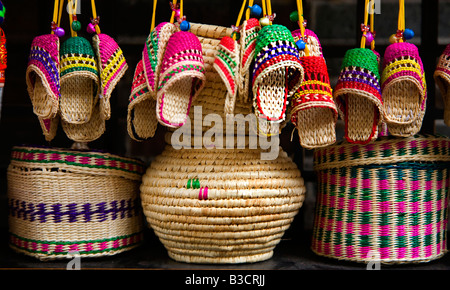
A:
[442,79]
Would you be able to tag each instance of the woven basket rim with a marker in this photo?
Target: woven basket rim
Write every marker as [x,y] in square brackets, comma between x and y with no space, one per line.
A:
[385,150]
[88,160]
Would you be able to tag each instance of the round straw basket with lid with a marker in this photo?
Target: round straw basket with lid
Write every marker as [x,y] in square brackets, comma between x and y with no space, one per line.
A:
[62,201]
[385,201]
[212,205]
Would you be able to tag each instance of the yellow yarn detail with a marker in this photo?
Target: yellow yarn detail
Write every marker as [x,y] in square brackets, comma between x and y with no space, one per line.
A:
[320,92]
[117,61]
[315,82]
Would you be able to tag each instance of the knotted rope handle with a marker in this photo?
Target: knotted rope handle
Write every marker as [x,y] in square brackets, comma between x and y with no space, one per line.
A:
[57,12]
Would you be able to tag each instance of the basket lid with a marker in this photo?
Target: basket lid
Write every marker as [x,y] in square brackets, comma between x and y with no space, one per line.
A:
[385,150]
[80,161]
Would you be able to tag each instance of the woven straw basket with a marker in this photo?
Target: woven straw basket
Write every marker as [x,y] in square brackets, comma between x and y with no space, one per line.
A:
[220,205]
[63,200]
[385,201]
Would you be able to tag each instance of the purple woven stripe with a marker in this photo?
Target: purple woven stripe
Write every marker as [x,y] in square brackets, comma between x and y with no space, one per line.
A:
[261,60]
[41,58]
[344,77]
[73,212]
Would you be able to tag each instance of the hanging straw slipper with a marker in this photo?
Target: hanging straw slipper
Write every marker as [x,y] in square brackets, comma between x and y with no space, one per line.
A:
[313,110]
[442,78]
[358,95]
[86,132]
[181,80]
[226,63]
[312,41]
[277,74]
[112,66]
[247,41]
[403,87]
[79,81]
[42,76]
[153,53]
[141,119]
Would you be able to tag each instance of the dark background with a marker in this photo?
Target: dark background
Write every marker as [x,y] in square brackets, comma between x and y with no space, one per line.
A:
[336,22]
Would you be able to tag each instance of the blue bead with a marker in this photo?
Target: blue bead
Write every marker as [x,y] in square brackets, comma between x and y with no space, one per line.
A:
[408,33]
[255,10]
[185,25]
[300,44]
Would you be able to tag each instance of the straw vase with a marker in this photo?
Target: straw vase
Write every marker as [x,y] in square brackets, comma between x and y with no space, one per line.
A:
[220,205]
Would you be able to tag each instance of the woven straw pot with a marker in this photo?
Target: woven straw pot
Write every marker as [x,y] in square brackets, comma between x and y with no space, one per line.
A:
[63,200]
[220,205]
[385,201]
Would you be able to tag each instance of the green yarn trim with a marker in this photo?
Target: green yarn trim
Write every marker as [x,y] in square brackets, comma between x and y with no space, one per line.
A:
[272,33]
[77,45]
[361,57]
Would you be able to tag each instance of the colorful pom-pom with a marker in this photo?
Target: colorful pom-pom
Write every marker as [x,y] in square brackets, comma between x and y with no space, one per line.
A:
[76,26]
[255,10]
[300,44]
[59,32]
[294,16]
[90,28]
[369,38]
[185,25]
[408,33]
[264,21]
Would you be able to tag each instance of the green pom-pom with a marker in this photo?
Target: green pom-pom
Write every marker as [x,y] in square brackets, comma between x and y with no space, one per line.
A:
[76,26]
[294,16]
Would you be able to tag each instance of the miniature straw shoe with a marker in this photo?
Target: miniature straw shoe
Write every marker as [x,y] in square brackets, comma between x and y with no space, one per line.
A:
[42,75]
[43,82]
[277,74]
[141,119]
[226,63]
[404,89]
[442,78]
[112,67]
[88,131]
[358,95]
[313,110]
[247,41]
[181,79]
[79,81]
[153,53]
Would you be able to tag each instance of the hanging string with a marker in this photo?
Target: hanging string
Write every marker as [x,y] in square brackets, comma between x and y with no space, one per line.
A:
[372,24]
[247,13]
[401,17]
[238,21]
[263,2]
[269,7]
[173,11]
[57,13]
[94,15]
[301,22]
[366,19]
[154,15]
[72,12]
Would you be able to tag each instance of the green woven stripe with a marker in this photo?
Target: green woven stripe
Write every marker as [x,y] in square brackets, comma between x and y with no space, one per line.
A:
[272,33]
[227,60]
[77,45]
[361,57]
[152,49]
[77,69]
[91,155]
